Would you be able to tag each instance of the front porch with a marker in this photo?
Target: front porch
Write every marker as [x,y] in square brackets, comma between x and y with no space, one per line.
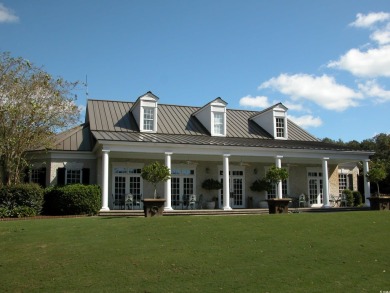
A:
[233,212]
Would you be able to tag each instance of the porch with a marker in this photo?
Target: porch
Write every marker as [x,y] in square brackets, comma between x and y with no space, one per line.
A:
[233,212]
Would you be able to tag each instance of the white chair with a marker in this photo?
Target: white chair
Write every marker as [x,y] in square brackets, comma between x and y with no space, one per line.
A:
[192,201]
[129,201]
[302,200]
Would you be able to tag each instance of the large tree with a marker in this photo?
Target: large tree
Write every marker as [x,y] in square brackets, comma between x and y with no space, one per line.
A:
[33,107]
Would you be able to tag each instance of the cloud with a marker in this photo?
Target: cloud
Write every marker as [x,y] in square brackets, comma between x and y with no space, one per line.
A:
[373,89]
[7,15]
[306,121]
[255,102]
[370,19]
[323,90]
[382,36]
[372,63]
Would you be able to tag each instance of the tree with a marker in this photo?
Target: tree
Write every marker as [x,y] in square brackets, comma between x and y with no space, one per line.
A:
[33,107]
[155,173]
[275,175]
[377,173]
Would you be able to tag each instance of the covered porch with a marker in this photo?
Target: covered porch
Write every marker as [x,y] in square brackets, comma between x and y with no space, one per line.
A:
[311,172]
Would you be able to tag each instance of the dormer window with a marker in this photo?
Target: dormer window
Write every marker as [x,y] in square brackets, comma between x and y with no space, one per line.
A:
[280,127]
[144,111]
[213,117]
[273,120]
[148,118]
[219,123]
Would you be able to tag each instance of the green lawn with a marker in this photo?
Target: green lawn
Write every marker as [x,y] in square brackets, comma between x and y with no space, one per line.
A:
[331,252]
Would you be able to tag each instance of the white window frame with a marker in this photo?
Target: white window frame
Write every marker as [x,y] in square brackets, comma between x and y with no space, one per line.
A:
[282,128]
[182,172]
[145,119]
[69,176]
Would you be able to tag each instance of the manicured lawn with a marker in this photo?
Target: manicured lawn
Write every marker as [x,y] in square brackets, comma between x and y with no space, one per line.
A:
[332,252]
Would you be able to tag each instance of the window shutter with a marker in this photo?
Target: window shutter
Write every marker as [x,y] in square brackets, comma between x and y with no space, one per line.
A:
[42,177]
[350,181]
[61,176]
[26,178]
[85,176]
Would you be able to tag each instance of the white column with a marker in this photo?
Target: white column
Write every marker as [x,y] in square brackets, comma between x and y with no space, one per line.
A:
[226,181]
[167,184]
[105,159]
[278,164]
[325,183]
[367,192]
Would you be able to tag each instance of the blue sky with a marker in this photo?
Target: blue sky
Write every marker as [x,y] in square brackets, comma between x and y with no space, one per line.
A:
[328,61]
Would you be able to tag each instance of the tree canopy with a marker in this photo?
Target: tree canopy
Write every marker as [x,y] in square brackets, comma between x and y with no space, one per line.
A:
[33,107]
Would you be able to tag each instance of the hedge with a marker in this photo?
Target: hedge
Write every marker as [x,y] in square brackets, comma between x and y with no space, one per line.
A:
[21,200]
[74,199]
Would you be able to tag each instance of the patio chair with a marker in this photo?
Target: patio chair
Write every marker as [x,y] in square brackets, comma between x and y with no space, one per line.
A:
[129,199]
[118,202]
[191,201]
[343,200]
[302,200]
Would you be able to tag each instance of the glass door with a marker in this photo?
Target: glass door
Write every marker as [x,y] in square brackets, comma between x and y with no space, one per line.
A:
[236,185]
[315,188]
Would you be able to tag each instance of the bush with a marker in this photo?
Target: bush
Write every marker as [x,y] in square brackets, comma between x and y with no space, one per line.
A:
[75,199]
[357,198]
[21,200]
[349,197]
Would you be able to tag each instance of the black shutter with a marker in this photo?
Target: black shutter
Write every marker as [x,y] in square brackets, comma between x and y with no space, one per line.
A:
[350,181]
[26,178]
[61,176]
[85,176]
[42,177]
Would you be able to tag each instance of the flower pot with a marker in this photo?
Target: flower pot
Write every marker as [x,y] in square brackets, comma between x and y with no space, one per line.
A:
[153,207]
[278,205]
[380,203]
[210,205]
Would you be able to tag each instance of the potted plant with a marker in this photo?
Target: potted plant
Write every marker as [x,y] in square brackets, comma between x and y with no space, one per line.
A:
[376,174]
[260,185]
[212,184]
[274,176]
[155,173]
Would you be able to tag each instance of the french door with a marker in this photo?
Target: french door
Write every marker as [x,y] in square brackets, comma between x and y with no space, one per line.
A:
[182,186]
[236,184]
[315,187]
[126,180]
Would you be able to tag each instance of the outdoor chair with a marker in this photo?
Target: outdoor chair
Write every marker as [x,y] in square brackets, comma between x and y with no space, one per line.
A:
[302,200]
[129,199]
[137,200]
[118,201]
[343,200]
[191,201]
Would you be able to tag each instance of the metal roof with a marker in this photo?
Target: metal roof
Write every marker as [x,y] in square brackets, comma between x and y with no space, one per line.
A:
[115,116]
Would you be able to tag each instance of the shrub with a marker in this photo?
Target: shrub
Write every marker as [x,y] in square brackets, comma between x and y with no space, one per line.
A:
[75,199]
[24,199]
[349,197]
[357,198]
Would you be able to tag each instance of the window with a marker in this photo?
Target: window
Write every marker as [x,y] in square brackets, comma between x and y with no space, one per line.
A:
[280,127]
[73,176]
[219,128]
[148,118]
[126,179]
[272,192]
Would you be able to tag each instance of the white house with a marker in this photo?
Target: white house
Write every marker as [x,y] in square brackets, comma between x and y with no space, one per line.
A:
[196,143]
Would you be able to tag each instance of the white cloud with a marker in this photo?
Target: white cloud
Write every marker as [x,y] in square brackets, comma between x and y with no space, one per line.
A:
[323,90]
[372,63]
[7,15]
[370,19]
[306,121]
[255,102]
[373,89]
[382,36]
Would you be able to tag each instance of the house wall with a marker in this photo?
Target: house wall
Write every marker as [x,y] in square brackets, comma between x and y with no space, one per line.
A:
[333,173]
[59,163]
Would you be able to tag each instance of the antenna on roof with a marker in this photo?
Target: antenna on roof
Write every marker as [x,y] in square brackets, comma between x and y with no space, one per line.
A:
[86,86]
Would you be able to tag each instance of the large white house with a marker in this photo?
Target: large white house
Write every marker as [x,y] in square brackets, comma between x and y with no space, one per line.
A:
[235,147]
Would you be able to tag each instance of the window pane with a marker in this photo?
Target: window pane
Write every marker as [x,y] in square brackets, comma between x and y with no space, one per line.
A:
[148,118]
[73,176]
[218,123]
[279,127]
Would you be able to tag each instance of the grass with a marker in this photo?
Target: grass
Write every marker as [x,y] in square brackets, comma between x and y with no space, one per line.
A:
[328,252]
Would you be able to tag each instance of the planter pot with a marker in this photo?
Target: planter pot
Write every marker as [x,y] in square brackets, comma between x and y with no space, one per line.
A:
[381,203]
[278,205]
[210,205]
[153,207]
[263,204]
